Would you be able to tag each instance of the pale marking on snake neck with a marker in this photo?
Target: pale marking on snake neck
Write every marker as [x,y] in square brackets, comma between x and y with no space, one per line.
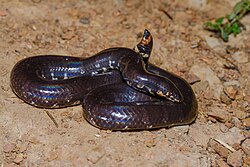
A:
[97,65]
[159,93]
[94,72]
[65,76]
[110,64]
[140,86]
[104,69]
[126,127]
[55,105]
[52,76]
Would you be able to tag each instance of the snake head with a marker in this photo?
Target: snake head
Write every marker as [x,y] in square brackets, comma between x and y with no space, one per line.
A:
[144,47]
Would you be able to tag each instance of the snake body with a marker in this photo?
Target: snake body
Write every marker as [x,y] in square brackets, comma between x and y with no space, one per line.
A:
[118,88]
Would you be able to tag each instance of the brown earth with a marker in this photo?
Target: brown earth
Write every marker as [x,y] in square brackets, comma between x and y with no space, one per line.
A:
[219,136]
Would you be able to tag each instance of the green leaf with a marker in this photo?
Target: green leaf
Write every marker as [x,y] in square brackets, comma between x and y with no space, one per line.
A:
[228,29]
[219,20]
[231,16]
[235,29]
[231,25]
[211,26]
[224,35]
[238,7]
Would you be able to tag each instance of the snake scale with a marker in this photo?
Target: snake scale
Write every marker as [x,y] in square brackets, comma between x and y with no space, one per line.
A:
[118,88]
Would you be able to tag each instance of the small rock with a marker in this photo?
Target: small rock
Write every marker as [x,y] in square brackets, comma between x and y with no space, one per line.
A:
[225,99]
[237,123]
[198,4]
[68,35]
[3,13]
[181,129]
[9,147]
[200,87]
[205,73]
[212,42]
[221,163]
[233,136]
[219,148]
[52,155]
[231,91]
[235,159]
[236,146]
[246,122]
[219,114]
[223,128]
[95,155]
[240,57]
[191,79]
[23,147]
[246,146]
[198,135]
[84,20]
[247,160]
[150,142]
[232,83]
[240,114]
[245,104]
[18,159]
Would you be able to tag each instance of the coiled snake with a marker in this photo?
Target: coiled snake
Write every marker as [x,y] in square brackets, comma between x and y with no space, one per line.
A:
[117,87]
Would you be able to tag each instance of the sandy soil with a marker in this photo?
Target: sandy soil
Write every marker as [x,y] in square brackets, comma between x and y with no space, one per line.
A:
[219,136]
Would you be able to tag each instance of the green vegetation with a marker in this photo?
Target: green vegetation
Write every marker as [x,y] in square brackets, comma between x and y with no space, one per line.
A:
[230,23]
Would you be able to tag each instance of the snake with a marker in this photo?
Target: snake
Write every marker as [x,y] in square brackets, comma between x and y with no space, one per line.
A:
[117,87]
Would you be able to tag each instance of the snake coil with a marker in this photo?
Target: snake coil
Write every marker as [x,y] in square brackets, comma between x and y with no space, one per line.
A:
[117,87]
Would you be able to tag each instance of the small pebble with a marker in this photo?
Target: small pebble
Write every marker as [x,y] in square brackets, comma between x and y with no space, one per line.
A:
[68,35]
[52,155]
[197,4]
[240,57]
[219,148]
[240,114]
[9,147]
[233,136]
[237,123]
[246,146]
[223,128]
[219,114]
[212,42]
[221,163]
[205,73]
[150,143]
[18,159]
[247,160]
[95,155]
[23,147]
[246,122]
[232,83]
[225,99]
[191,79]
[235,159]
[231,91]
[84,20]
[198,136]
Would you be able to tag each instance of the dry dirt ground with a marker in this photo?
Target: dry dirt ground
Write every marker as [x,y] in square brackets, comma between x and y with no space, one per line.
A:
[220,73]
